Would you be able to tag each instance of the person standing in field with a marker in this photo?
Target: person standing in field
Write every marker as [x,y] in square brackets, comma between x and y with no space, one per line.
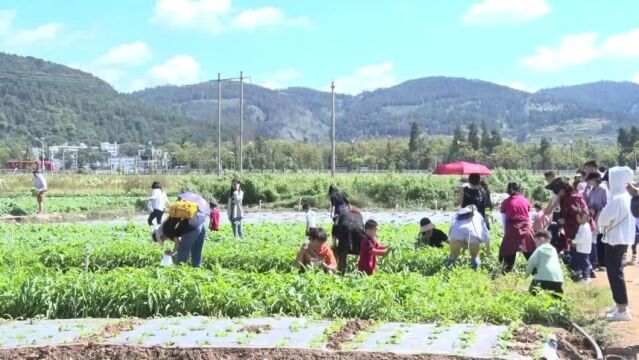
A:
[158,201]
[618,227]
[475,194]
[234,208]
[347,234]
[214,222]
[596,195]
[311,217]
[40,184]
[518,233]
[339,202]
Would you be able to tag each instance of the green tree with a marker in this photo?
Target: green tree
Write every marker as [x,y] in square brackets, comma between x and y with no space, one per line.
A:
[545,152]
[486,141]
[473,137]
[415,132]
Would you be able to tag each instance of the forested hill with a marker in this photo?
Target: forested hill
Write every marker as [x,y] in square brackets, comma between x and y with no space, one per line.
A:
[438,104]
[40,98]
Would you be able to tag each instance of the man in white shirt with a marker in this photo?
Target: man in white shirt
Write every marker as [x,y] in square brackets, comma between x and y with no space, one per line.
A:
[311,217]
[40,185]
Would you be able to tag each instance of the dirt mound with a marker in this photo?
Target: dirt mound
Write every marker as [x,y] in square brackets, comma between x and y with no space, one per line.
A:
[348,331]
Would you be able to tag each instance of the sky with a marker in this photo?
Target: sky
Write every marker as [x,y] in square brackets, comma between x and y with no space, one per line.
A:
[360,44]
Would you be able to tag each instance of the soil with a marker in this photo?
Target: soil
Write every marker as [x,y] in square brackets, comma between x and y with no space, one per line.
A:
[573,346]
[101,352]
[256,329]
[110,331]
[528,339]
[347,333]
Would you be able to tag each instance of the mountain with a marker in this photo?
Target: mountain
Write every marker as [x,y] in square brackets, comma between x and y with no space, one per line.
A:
[613,97]
[42,99]
[438,104]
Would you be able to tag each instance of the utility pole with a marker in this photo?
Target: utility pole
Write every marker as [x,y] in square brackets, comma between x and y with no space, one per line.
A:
[333,130]
[219,124]
[241,120]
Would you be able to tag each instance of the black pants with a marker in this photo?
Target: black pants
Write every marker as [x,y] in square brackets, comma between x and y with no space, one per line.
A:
[601,251]
[341,256]
[553,286]
[157,215]
[614,270]
[508,262]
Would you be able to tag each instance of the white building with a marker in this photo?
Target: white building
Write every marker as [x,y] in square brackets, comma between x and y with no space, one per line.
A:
[112,149]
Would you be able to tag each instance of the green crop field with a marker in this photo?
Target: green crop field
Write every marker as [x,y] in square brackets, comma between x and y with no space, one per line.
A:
[69,271]
[86,193]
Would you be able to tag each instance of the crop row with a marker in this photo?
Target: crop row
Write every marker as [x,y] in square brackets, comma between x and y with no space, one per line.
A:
[459,295]
[26,204]
[267,247]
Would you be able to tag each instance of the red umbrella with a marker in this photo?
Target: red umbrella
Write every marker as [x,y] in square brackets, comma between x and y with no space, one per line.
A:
[462,168]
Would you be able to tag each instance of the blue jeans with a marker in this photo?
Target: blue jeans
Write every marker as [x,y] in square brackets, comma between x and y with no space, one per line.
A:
[582,265]
[191,245]
[237,228]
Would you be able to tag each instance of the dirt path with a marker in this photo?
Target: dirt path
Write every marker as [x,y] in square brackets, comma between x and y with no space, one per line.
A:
[627,339]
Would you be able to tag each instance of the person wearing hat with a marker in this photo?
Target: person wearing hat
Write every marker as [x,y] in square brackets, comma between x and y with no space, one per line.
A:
[429,235]
[596,195]
[518,233]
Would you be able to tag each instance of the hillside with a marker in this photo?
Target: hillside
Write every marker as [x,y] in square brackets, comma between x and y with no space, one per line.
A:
[40,98]
[438,104]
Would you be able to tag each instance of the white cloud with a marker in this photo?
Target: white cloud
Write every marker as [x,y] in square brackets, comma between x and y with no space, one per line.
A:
[636,78]
[280,79]
[48,34]
[266,17]
[583,48]
[219,15]
[178,70]
[495,12]
[365,78]
[202,14]
[573,50]
[624,45]
[131,54]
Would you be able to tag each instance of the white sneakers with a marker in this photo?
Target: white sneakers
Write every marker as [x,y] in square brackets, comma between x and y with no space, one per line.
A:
[617,316]
[613,314]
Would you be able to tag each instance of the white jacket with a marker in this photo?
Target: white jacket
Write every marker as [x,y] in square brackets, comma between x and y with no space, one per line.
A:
[615,220]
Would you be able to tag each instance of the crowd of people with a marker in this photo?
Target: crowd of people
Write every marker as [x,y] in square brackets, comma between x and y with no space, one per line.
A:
[588,224]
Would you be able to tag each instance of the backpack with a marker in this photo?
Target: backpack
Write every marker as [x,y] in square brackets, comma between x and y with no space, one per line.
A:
[183,210]
[466,213]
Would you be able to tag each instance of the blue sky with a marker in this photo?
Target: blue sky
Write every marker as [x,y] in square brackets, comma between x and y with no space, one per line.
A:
[361,44]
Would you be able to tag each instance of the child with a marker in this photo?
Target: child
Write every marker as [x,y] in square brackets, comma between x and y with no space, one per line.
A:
[546,261]
[214,224]
[538,219]
[429,235]
[370,248]
[582,248]
[316,252]
[311,217]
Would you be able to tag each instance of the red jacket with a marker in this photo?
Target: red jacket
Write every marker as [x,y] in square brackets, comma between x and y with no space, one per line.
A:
[214,225]
[369,250]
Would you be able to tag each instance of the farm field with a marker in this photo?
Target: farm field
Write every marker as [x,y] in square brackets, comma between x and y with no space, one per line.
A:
[62,271]
[73,193]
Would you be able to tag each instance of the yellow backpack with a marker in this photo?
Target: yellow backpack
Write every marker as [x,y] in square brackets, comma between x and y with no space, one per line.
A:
[183,210]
